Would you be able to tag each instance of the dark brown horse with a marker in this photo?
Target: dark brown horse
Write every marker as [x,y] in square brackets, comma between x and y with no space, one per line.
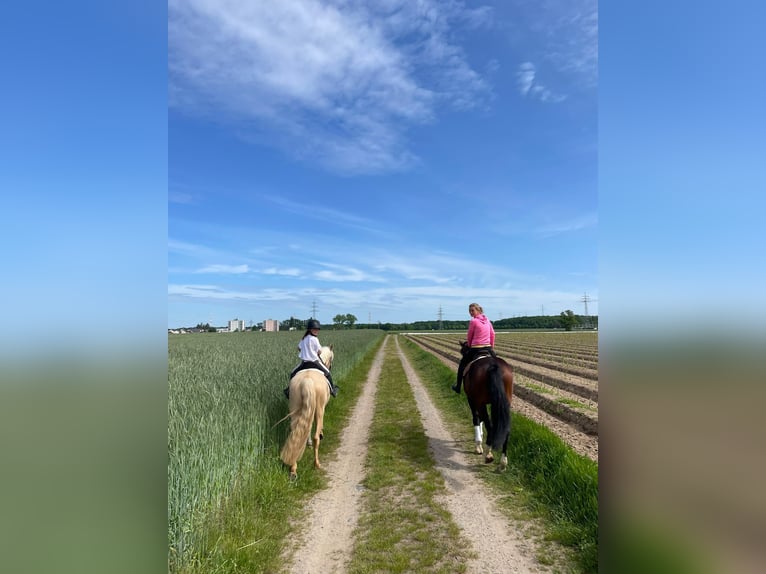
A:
[489,381]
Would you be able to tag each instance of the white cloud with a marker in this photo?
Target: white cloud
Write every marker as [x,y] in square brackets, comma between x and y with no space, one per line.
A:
[344,273]
[328,215]
[329,81]
[526,79]
[288,272]
[219,293]
[452,300]
[227,269]
[569,31]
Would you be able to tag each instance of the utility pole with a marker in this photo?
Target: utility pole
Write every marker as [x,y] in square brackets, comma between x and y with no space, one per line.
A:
[314,309]
[440,317]
[585,300]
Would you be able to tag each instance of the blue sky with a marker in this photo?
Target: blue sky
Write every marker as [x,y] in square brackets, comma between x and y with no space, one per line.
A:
[386,159]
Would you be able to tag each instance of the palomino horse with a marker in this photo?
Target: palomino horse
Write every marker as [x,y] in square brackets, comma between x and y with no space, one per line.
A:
[489,381]
[309,393]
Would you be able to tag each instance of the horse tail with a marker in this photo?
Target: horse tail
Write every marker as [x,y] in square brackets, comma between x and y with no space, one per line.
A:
[300,423]
[501,410]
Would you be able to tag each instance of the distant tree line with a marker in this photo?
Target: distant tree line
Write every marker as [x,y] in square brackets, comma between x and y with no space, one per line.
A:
[567,320]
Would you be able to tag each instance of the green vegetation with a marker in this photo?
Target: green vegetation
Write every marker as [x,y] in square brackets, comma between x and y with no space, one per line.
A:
[230,507]
[555,482]
[226,484]
[403,528]
[569,320]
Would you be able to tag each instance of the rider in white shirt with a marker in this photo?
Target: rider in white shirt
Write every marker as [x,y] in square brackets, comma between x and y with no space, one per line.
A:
[310,349]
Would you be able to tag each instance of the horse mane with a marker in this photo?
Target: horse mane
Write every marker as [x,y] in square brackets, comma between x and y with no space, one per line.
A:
[326,356]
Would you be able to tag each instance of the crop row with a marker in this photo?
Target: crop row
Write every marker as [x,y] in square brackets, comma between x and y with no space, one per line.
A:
[552,388]
[582,382]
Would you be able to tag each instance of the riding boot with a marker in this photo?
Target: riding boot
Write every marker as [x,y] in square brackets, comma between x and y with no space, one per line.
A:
[456,386]
[460,369]
[333,388]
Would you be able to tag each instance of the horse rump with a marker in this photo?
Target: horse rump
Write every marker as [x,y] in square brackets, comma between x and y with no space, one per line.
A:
[302,407]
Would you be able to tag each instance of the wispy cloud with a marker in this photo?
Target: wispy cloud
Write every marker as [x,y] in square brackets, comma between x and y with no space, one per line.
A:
[569,32]
[451,300]
[220,293]
[575,224]
[329,215]
[526,80]
[225,269]
[288,272]
[343,273]
[190,249]
[332,82]
[180,197]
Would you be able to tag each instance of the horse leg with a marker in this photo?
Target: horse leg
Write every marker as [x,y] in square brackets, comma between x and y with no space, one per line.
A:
[476,427]
[490,432]
[318,436]
[504,458]
[477,435]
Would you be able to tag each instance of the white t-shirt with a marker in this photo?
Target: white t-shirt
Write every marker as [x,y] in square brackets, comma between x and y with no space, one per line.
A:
[309,348]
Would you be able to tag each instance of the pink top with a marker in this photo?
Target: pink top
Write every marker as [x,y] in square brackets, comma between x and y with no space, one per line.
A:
[480,332]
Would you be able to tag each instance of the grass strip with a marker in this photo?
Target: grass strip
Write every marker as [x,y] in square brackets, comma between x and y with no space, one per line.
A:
[403,528]
[558,484]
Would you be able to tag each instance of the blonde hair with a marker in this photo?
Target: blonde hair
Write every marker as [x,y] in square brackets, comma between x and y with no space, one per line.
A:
[475,306]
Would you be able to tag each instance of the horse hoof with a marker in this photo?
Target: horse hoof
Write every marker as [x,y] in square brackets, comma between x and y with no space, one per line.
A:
[293,476]
[479,450]
[489,458]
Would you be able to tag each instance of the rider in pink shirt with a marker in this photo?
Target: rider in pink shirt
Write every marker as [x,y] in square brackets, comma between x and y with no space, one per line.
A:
[480,338]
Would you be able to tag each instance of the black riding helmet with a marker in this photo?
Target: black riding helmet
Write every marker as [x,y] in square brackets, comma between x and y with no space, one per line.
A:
[313,324]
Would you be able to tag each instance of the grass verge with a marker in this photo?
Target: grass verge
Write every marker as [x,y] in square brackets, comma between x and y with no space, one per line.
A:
[403,528]
[554,482]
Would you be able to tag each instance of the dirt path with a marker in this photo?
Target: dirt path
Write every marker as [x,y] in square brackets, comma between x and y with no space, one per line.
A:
[470,503]
[334,513]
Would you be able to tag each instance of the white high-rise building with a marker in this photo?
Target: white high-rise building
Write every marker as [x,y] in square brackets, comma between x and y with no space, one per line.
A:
[236,325]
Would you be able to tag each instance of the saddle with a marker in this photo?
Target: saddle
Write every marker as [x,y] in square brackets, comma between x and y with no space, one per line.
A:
[305,365]
[483,354]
